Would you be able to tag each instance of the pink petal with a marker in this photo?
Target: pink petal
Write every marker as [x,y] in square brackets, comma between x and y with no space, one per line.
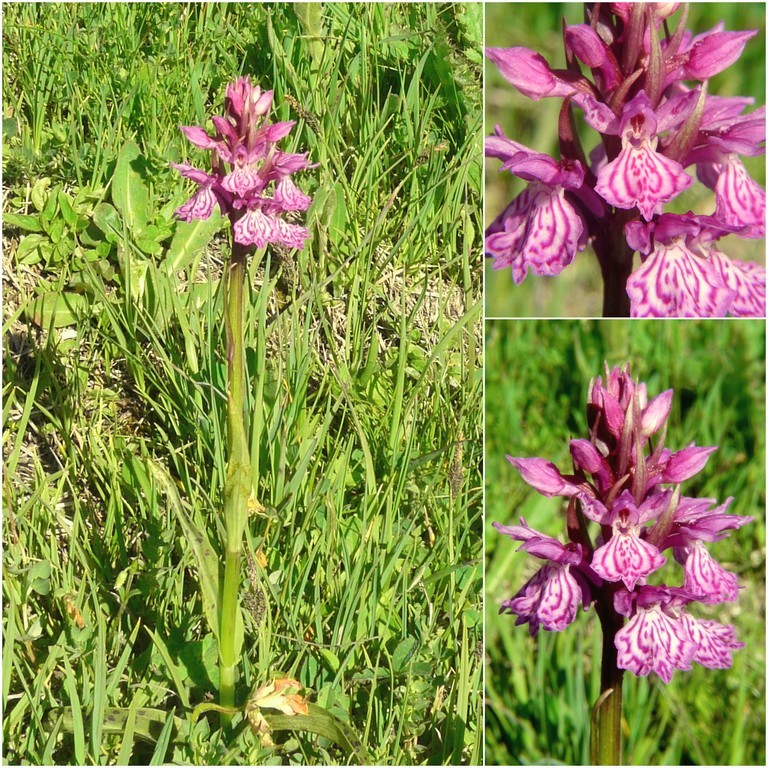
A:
[241,181]
[654,642]
[674,282]
[550,599]
[626,557]
[199,206]
[715,642]
[706,577]
[740,199]
[290,198]
[747,279]
[715,52]
[684,464]
[255,228]
[539,231]
[529,72]
[199,137]
[543,476]
[641,177]
[290,235]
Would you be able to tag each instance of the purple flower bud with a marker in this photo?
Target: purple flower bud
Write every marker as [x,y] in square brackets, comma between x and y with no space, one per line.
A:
[714,52]
[656,413]
[529,72]
[686,463]
[543,476]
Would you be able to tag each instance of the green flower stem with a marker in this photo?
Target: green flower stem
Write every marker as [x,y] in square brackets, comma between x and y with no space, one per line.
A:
[238,485]
[605,737]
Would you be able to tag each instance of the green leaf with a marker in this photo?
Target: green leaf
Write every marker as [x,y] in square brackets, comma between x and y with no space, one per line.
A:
[22,221]
[338,220]
[56,309]
[331,659]
[404,653]
[34,248]
[129,189]
[39,193]
[205,556]
[189,239]
[323,723]
[107,219]
[67,211]
[158,756]
[149,245]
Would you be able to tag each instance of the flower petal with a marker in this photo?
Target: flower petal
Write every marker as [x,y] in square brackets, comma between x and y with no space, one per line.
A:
[674,282]
[740,199]
[747,279]
[626,557]
[539,230]
[654,642]
[641,177]
[705,576]
[199,206]
[715,642]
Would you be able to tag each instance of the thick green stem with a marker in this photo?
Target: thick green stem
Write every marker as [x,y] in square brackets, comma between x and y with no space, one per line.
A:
[238,484]
[605,738]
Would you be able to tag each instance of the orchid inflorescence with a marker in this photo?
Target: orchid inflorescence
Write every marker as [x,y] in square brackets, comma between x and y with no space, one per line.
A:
[652,125]
[627,482]
[251,178]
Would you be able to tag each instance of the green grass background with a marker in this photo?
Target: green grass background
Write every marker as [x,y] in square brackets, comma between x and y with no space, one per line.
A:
[540,692]
[577,292]
[364,381]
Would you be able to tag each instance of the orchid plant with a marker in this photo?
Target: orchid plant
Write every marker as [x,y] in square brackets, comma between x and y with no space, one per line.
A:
[250,181]
[626,485]
[644,89]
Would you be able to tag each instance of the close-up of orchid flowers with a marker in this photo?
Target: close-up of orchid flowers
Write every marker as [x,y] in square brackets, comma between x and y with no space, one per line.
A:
[637,81]
[627,517]
[245,166]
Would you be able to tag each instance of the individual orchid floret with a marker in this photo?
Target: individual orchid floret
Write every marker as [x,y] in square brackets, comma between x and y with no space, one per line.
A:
[704,576]
[640,176]
[655,639]
[675,280]
[626,556]
[552,596]
[251,177]
[539,230]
